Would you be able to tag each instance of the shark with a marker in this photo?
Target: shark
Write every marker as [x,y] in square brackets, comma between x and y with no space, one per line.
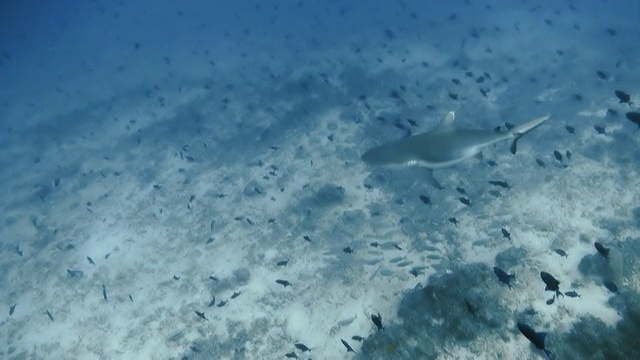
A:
[444,146]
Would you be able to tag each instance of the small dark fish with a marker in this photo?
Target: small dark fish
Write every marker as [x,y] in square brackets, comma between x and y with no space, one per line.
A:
[213,278]
[465,201]
[377,320]
[455,81]
[503,277]
[75,273]
[505,233]
[558,155]
[453,96]
[284,283]
[454,221]
[18,250]
[623,97]
[222,303]
[104,292]
[602,250]
[282,263]
[49,314]
[502,184]
[349,348]
[157,187]
[348,250]
[209,240]
[374,244]
[551,301]
[570,129]
[357,338]
[235,294]
[634,117]
[536,338]
[551,282]
[567,154]
[571,293]
[130,298]
[302,347]
[291,355]
[492,163]
[541,163]
[176,277]
[307,238]
[612,32]
[12,309]
[201,315]
[90,260]
[213,301]
[561,252]
[194,348]
[611,286]
[461,190]
[397,247]
[601,74]
[599,129]
[425,199]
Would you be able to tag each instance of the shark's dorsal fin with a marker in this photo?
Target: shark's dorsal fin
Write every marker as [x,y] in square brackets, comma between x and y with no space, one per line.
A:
[446,123]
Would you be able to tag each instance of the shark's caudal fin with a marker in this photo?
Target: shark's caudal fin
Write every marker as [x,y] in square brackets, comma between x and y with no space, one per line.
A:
[520,130]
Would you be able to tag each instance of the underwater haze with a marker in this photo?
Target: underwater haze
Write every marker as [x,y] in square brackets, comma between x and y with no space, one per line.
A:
[320,179]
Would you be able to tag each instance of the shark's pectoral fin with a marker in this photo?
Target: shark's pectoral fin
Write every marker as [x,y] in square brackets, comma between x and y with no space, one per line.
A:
[520,130]
[432,180]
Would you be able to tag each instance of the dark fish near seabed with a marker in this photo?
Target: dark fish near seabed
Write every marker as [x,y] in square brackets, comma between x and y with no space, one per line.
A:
[90,260]
[291,355]
[623,97]
[502,184]
[505,233]
[349,348]
[465,201]
[75,273]
[357,338]
[104,292]
[602,250]
[634,117]
[302,347]
[12,308]
[49,314]
[561,252]
[551,282]
[503,277]
[201,315]
[536,338]
[377,320]
[284,283]
[571,293]
[558,155]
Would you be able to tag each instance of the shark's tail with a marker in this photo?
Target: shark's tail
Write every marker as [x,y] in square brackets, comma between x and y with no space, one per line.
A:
[520,130]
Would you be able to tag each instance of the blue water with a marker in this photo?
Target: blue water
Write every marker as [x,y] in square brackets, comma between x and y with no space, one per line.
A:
[173,141]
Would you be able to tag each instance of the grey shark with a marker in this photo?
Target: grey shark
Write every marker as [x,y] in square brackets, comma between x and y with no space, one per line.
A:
[445,145]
